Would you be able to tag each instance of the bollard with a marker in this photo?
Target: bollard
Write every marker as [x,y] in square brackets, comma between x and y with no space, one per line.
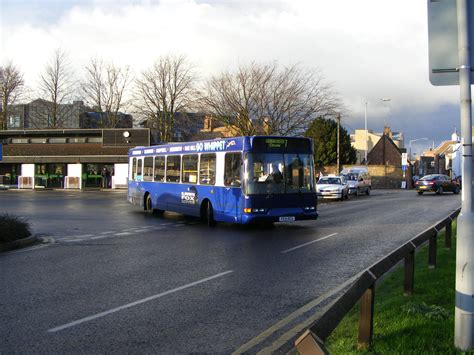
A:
[366,318]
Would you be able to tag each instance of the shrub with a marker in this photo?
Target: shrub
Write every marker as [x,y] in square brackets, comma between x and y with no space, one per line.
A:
[13,228]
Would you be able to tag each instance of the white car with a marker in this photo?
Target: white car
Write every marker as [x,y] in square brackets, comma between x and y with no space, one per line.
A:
[333,187]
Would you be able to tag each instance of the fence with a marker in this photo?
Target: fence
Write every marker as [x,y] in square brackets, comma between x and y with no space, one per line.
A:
[312,340]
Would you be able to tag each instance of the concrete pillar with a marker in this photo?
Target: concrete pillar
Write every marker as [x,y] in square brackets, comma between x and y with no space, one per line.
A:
[73,179]
[27,178]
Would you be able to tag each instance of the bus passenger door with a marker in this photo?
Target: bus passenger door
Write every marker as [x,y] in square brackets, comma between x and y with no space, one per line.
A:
[231,203]
[231,199]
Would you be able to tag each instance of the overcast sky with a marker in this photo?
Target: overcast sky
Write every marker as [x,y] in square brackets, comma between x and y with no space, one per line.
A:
[367,50]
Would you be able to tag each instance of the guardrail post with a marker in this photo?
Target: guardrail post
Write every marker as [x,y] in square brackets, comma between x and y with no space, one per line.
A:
[309,344]
[409,281]
[432,250]
[366,319]
[447,236]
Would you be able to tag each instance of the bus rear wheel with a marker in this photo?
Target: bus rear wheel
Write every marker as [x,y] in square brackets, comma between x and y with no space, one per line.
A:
[208,214]
[149,206]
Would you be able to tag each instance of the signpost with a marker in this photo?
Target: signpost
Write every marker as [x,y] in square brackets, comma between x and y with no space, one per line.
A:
[1,151]
[441,17]
[404,169]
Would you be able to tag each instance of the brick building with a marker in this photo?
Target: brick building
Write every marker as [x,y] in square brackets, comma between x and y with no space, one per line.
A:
[385,164]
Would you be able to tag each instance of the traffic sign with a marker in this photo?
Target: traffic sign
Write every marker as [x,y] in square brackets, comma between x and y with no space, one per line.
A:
[443,42]
[404,159]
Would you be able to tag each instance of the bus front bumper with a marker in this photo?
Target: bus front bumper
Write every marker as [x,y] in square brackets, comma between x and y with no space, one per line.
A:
[270,217]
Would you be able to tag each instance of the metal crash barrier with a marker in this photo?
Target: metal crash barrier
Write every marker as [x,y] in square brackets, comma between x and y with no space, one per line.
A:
[363,289]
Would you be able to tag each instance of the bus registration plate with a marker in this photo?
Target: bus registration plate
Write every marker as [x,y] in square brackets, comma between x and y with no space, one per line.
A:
[287,219]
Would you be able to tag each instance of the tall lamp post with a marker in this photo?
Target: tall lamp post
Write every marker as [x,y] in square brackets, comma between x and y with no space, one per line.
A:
[366,131]
[409,145]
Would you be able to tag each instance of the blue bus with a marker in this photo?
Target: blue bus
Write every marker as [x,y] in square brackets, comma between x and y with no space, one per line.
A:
[238,180]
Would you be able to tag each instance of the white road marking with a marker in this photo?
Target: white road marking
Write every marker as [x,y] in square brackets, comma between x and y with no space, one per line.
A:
[128,305]
[305,244]
[128,231]
[98,237]
[285,321]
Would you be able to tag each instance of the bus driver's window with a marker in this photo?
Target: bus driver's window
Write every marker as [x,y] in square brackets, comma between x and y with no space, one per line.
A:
[233,163]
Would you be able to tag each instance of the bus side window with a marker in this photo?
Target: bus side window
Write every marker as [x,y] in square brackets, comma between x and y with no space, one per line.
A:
[148,169]
[207,171]
[159,168]
[134,169]
[173,168]
[233,162]
[190,168]
[139,176]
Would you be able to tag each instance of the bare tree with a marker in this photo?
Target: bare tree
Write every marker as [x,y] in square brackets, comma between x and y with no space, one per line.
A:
[12,85]
[56,90]
[164,90]
[263,98]
[104,88]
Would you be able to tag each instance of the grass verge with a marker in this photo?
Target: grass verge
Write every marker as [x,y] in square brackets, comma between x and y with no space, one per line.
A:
[13,228]
[419,324]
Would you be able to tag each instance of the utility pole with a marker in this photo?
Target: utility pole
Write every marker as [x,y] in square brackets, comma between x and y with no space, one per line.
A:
[464,311]
[338,118]
[366,134]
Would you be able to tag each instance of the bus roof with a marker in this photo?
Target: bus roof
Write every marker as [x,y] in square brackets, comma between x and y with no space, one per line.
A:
[219,145]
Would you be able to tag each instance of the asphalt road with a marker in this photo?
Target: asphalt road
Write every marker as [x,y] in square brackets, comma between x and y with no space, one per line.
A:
[112,278]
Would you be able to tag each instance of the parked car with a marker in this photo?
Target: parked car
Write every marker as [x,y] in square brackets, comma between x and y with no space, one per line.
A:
[359,180]
[438,183]
[333,187]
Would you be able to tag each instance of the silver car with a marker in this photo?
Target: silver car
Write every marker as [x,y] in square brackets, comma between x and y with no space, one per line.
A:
[334,187]
[359,181]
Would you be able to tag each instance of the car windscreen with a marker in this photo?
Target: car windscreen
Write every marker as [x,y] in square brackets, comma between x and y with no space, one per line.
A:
[352,176]
[329,181]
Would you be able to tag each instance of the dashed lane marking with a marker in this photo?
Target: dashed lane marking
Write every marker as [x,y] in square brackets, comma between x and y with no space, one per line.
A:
[311,242]
[136,303]
[123,232]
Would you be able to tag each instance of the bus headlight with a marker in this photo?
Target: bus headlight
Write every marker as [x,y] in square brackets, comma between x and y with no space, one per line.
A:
[309,208]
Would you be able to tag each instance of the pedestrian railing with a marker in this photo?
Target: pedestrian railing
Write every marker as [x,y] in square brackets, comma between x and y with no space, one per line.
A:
[312,340]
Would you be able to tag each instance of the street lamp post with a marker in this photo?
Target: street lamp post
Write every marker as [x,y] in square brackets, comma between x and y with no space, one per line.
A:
[366,131]
[409,146]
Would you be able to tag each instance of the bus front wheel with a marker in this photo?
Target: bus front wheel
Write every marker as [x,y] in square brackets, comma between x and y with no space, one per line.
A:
[208,214]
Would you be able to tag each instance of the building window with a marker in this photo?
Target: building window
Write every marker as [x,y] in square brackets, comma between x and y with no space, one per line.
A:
[14,122]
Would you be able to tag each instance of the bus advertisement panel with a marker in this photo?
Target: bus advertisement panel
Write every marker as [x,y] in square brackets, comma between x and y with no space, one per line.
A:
[238,180]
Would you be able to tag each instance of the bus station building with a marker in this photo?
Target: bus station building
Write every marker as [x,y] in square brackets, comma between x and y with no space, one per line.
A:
[68,158]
